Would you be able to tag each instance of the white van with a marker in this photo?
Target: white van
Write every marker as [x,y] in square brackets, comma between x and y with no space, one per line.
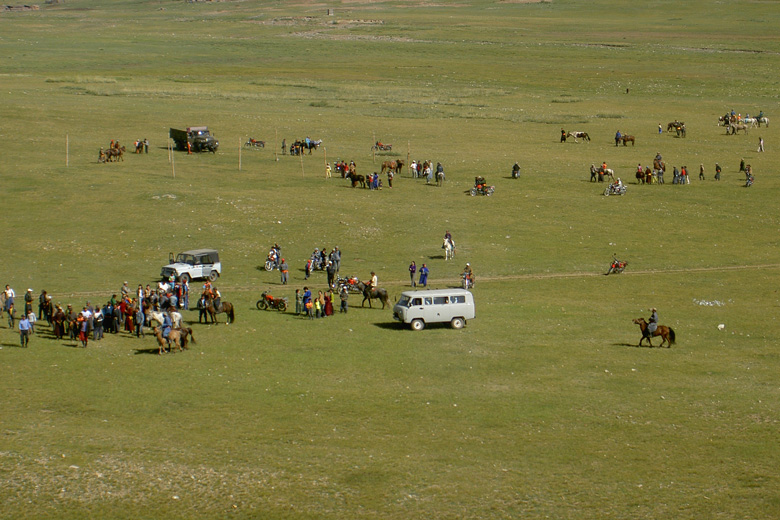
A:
[453,306]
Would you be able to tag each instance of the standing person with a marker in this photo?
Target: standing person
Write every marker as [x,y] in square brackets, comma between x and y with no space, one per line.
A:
[618,136]
[202,315]
[335,257]
[660,129]
[97,333]
[390,175]
[9,297]
[327,171]
[32,319]
[563,135]
[318,305]
[298,302]
[139,322]
[28,299]
[146,145]
[11,316]
[424,276]
[760,144]
[24,331]
[344,296]
[307,303]
[42,300]
[328,309]
[125,290]
[83,328]
[412,271]
[284,146]
[185,295]
[717,172]
[309,266]
[701,172]
[331,270]
[742,165]
[284,269]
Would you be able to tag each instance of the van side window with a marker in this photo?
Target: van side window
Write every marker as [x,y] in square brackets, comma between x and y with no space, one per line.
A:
[428,301]
[458,299]
[440,300]
[417,301]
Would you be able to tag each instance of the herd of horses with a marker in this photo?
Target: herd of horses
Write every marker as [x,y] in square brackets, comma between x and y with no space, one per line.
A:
[112,154]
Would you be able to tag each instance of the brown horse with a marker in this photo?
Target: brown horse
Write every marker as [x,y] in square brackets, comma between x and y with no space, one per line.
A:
[378,293]
[226,307]
[396,166]
[174,338]
[666,333]
[627,138]
[674,125]
[640,176]
[115,154]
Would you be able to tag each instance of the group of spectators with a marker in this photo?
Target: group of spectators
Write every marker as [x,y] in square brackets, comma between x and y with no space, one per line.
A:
[320,306]
[126,310]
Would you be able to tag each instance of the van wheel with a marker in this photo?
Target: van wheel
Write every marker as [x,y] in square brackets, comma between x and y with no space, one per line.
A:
[457,323]
[418,324]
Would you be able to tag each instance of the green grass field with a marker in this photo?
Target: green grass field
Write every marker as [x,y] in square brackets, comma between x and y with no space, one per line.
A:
[542,407]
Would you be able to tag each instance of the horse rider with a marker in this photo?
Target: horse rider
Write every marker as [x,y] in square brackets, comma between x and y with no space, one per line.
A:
[658,157]
[217,299]
[652,323]
[167,323]
[515,170]
[373,283]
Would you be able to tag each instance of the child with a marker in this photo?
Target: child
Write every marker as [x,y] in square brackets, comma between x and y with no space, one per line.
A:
[32,319]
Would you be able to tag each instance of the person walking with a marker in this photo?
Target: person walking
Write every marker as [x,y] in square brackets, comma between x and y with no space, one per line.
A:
[298,302]
[307,303]
[330,269]
[660,129]
[412,272]
[717,171]
[28,300]
[32,319]
[9,297]
[701,172]
[563,135]
[424,276]
[11,316]
[24,331]
[760,144]
[284,269]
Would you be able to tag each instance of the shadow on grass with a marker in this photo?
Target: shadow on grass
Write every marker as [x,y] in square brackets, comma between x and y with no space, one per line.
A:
[17,345]
[390,325]
[633,345]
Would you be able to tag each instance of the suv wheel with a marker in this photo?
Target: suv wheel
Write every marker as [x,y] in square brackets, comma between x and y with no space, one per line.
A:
[213,276]
[184,278]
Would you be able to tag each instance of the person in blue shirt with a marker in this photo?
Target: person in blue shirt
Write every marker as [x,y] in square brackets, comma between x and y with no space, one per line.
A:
[307,304]
[24,331]
[423,276]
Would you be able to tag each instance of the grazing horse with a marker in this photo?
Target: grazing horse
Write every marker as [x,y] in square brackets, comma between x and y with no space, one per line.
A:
[666,333]
[356,179]
[377,293]
[674,125]
[581,135]
[227,308]
[449,249]
[627,138]
[735,127]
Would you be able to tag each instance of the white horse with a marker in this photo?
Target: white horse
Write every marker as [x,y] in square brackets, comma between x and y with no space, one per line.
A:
[449,249]
[609,172]
[764,120]
[752,121]
[159,317]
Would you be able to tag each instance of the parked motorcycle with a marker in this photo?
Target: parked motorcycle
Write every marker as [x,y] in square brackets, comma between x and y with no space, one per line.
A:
[267,301]
[351,283]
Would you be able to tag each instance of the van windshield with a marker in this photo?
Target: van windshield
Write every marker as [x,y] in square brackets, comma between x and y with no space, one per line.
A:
[404,301]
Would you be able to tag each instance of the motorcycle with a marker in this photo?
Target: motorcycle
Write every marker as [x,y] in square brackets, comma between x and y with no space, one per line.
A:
[350,283]
[516,173]
[271,262]
[466,280]
[749,181]
[617,266]
[267,301]
[615,189]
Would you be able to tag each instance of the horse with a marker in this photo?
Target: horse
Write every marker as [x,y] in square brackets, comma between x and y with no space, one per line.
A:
[439,178]
[582,135]
[115,154]
[674,125]
[227,308]
[609,172]
[734,128]
[449,249]
[395,166]
[764,120]
[627,138]
[311,145]
[666,333]
[659,165]
[752,121]
[356,179]
[377,293]
[640,176]
[174,337]
[181,335]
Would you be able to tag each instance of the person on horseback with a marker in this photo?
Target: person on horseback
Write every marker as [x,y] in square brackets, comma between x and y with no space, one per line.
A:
[217,299]
[167,323]
[373,282]
[652,323]
[515,171]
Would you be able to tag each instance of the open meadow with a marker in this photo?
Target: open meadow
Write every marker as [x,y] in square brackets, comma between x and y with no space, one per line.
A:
[542,406]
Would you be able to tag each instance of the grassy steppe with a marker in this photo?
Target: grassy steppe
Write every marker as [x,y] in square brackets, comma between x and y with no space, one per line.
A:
[541,407]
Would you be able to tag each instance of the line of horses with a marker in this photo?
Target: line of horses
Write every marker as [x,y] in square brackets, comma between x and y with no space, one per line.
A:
[300,145]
